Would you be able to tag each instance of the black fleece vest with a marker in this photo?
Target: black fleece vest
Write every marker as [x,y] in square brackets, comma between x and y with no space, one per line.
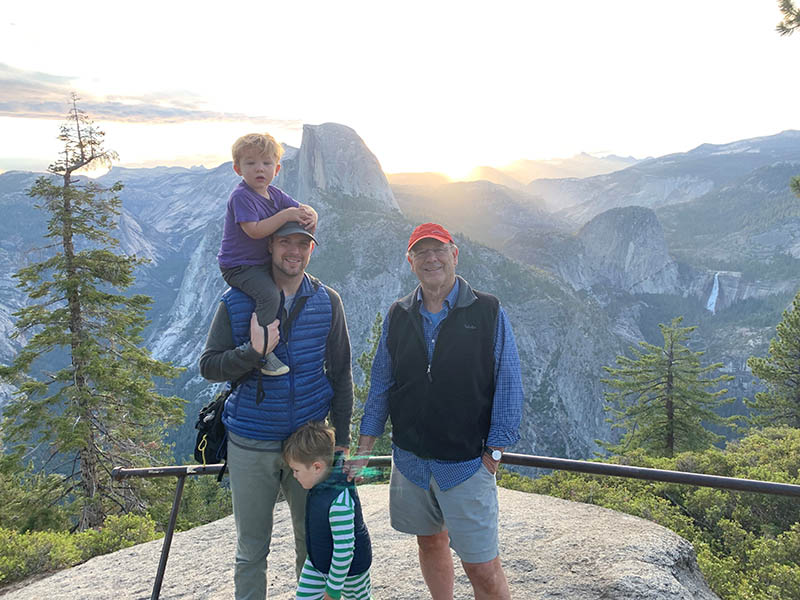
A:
[319,540]
[443,410]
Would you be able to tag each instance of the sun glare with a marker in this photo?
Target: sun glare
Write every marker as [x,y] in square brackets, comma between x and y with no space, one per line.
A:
[456,173]
[94,173]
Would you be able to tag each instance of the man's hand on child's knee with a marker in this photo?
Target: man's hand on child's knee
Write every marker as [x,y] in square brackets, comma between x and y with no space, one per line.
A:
[263,336]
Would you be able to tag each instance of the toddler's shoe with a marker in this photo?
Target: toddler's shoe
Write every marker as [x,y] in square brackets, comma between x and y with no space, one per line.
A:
[273,366]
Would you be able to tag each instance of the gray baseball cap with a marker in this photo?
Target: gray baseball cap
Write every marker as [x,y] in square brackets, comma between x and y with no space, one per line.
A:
[294,227]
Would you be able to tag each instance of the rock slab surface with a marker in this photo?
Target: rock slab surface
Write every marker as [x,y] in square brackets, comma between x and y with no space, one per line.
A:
[550,548]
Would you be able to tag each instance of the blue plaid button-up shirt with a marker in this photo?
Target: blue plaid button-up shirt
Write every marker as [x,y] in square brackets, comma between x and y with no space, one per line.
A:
[506,409]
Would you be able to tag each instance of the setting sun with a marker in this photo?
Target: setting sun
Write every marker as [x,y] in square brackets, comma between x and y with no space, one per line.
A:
[519,80]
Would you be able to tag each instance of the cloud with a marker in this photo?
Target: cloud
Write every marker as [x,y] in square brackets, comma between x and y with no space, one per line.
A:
[35,95]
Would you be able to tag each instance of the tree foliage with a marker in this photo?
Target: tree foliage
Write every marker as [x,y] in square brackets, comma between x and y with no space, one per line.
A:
[383,445]
[790,22]
[791,17]
[780,372]
[660,397]
[30,499]
[98,408]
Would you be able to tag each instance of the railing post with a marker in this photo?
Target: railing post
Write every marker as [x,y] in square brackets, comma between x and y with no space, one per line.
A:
[173,518]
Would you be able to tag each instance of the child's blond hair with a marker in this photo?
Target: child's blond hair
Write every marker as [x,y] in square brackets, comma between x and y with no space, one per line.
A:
[263,143]
[312,442]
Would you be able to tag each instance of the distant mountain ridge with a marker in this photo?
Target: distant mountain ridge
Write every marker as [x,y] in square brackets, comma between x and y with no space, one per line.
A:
[521,172]
[622,249]
[666,180]
[666,229]
[578,166]
[425,178]
[582,276]
[485,211]
[175,217]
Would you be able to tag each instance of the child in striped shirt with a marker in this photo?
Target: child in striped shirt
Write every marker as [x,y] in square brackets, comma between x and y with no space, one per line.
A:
[339,549]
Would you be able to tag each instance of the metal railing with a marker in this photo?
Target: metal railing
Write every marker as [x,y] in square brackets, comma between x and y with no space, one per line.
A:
[524,460]
[685,477]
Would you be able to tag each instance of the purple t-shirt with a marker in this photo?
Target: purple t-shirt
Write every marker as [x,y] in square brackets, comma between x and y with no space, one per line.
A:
[246,205]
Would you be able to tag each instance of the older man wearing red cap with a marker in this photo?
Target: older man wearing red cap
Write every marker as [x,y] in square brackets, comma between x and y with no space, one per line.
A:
[447,373]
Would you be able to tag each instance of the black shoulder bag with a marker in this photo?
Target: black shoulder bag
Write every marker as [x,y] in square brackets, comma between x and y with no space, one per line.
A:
[210,445]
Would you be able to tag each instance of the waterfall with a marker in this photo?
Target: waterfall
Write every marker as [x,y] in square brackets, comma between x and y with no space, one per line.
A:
[712,298]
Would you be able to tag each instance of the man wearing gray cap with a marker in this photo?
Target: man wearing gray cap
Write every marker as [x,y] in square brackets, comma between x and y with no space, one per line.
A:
[263,411]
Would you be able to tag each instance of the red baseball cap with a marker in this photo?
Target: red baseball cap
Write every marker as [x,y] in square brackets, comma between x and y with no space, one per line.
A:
[429,230]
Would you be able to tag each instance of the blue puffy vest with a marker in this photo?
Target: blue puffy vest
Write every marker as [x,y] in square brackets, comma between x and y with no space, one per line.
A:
[302,395]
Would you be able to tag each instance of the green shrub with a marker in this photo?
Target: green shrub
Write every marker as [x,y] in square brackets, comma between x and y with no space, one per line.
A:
[117,532]
[32,552]
[25,554]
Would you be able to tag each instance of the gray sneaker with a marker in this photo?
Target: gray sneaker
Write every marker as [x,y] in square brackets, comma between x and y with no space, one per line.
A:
[273,366]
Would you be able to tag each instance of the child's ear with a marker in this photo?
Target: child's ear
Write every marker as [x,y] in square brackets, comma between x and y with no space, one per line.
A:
[277,169]
[237,169]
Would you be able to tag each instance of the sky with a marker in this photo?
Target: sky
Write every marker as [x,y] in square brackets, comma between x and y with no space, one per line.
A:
[429,86]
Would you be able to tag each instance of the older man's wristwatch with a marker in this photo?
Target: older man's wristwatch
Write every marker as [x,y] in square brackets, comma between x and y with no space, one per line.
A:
[495,454]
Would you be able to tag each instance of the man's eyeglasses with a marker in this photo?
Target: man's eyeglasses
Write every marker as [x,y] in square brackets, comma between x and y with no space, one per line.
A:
[439,252]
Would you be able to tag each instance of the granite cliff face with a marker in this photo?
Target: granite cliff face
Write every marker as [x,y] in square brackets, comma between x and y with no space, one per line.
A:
[174,216]
[622,249]
[333,162]
[576,299]
[626,248]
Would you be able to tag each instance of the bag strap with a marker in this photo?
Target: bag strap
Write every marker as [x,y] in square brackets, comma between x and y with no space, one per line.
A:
[236,382]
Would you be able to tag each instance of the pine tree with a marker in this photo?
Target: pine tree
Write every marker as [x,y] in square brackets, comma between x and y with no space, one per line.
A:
[99,408]
[383,445]
[791,17]
[661,398]
[780,372]
[790,22]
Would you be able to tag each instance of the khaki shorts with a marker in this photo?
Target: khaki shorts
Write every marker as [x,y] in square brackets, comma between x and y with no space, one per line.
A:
[468,512]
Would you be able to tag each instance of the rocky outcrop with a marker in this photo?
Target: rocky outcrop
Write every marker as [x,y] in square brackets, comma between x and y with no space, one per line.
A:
[622,249]
[733,288]
[334,162]
[626,249]
[550,548]
[580,200]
